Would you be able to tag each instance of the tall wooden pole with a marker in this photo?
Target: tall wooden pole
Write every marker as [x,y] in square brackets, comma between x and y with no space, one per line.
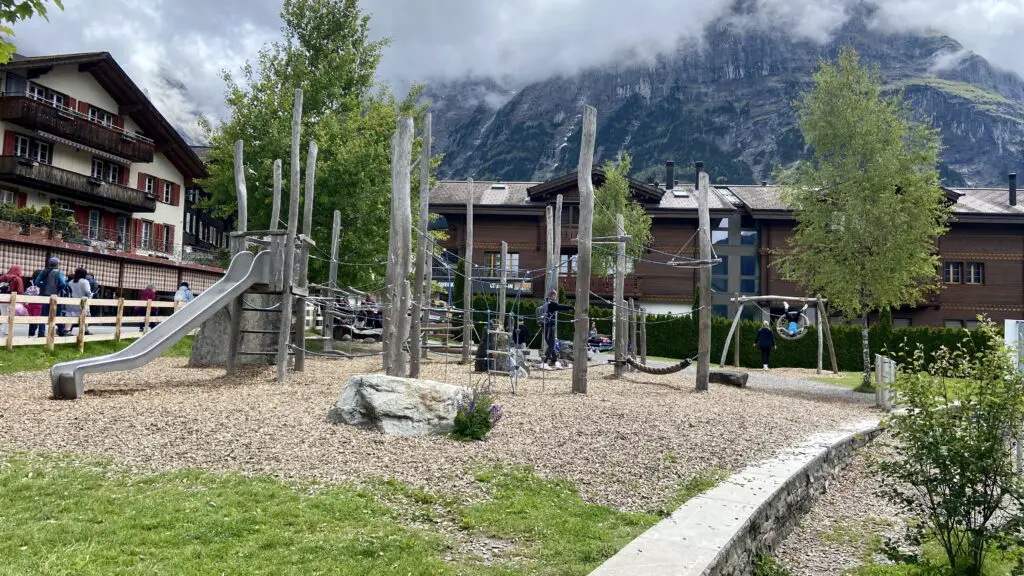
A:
[428,280]
[586,188]
[330,311]
[275,208]
[821,337]
[240,193]
[238,244]
[736,344]
[400,249]
[704,334]
[632,329]
[303,280]
[643,336]
[552,263]
[828,334]
[619,337]
[421,293]
[283,339]
[502,288]
[558,237]
[467,292]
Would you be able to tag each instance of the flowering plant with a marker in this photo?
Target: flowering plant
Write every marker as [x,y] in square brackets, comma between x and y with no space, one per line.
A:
[473,420]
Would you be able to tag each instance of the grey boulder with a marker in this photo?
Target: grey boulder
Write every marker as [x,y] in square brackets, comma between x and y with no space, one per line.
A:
[399,406]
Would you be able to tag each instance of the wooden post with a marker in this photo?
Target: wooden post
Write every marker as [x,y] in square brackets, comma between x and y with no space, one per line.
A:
[467,307]
[704,334]
[52,316]
[332,282]
[12,303]
[828,334]
[736,345]
[303,279]
[428,246]
[632,329]
[240,194]
[586,189]
[421,294]
[558,240]
[283,339]
[501,289]
[275,208]
[878,380]
[552,262]
[732,331]
[149,313]
[119,320]
[399,249]
[619,337]
[821,337]
[83,310]
[643,336]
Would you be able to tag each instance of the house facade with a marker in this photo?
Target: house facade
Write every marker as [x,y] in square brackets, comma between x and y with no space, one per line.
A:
[982,254]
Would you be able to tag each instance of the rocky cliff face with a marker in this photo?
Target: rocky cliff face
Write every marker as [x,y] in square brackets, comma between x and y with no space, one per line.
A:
[727,102]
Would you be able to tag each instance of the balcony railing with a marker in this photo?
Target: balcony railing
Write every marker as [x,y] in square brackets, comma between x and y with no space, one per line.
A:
[27,172]
[603,285]
[569,234]
[59,120]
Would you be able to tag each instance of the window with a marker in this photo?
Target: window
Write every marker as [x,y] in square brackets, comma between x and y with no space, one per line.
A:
[94,224]
[35,149]
[106,171]
[62,206]
[43,93]
[975,273]
[971,324]
[6,197]
[168,240]
[168,192]
[720,310]
[101,116]
[567,265]
[492,263]
[149,186]
[630,266]
[22,146]
[570,214]
[749,275]
[122,229]
[720,232]
[113,173]
[955,324]
[952,273]
[188,222]
[147,233]
[720,276]
[36,91]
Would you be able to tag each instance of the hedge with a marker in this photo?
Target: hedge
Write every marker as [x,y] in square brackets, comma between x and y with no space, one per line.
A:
[676,337]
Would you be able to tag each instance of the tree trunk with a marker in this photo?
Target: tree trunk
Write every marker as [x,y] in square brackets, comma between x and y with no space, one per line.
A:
[867,350]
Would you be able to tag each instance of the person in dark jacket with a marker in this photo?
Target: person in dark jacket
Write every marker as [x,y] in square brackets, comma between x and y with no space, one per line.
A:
[521,335]
[765,340]
[51,282]
[551,310]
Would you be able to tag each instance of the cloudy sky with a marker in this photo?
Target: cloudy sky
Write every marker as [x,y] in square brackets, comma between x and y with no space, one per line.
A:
[192,41]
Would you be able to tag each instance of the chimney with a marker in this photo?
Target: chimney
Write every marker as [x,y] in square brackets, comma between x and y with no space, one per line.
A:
[696,177]
[669,174]
[1013,189]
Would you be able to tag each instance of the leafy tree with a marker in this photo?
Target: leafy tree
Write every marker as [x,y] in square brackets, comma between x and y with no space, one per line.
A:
[327,53]
[951,468]
[14,11]
[613,198]
[868,203]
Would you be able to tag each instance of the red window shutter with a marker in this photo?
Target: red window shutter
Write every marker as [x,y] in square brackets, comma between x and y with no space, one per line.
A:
[22,199]
[142,181]
[170,236]
[158,237]
[119,121]
[108,226]
[72,103]
[9,143]
[158,189]
[175,194]
[82,217]
[125,173]
[137,225]
[83,107]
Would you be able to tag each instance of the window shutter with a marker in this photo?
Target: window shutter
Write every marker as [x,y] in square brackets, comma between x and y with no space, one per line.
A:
[175,194]
[170,236]
[142,181]
[125,173]
[72,103]
[158,188]
[119,122]
[108,226]
[158,237]
[83,107]
[82,217]
[9,143]
[22,199]
[137,225]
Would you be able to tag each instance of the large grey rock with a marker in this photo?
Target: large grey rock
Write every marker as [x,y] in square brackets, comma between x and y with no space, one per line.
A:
[399,406]
[211,345]
[737,379]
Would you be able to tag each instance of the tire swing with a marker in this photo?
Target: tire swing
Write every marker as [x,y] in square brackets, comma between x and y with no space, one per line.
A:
[790,328]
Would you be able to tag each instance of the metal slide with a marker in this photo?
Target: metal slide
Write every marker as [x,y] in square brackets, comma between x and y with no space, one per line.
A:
[245,270]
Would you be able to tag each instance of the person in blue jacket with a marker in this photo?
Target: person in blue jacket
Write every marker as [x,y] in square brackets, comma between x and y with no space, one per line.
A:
[51,282]
[551,308]
[765,340]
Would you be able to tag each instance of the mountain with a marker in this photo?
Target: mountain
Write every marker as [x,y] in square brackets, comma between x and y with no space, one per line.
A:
[728,102]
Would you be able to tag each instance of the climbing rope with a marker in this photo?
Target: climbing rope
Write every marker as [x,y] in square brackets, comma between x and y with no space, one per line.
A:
[679,367]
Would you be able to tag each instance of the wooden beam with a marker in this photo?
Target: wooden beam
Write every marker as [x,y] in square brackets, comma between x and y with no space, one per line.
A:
[399,249]
[777,299]
[275,207]
[619,311]
[502,288]
[467,292]
[241,197]
[421,294]
[643,335]
[704,237]
[828,333]
[631,350]
[586,230]
[332,284]
[283,338]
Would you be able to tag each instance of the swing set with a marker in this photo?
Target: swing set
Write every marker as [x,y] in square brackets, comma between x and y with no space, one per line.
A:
[790,325]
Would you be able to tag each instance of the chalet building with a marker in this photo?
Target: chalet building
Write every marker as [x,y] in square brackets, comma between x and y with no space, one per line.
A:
[203,231]
[982,254]
[80,137]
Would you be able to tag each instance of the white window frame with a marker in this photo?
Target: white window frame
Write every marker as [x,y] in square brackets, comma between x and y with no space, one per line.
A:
[168,240]
[22,146]
[94,227]
[36,92]
[98,168]
[122,229]
[168,192]
[113,173]
[969,269]
[40,151]
[147,234]
[188,222]
[149,185]
[7,197]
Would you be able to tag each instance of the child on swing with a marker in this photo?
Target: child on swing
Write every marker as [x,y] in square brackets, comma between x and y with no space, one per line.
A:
[793,316]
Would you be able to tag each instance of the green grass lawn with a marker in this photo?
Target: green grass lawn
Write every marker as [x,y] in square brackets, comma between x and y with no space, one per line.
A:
[65,515]
[32,358]
[851,380]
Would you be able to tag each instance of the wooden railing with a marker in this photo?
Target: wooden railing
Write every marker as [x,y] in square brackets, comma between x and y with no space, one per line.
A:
[120,321]
[604,285]
[75,126]
[569,234]
[50,178]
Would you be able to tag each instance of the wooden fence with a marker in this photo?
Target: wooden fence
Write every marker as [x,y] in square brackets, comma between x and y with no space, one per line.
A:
[120,321]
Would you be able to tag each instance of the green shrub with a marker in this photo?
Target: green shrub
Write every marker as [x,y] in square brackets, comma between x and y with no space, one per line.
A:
[475,419]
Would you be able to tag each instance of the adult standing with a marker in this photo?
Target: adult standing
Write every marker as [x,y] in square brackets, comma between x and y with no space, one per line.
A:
[183,294]
[51,282]
[765,340]
[550,318]
[10,283]
[80,288]
[149,295]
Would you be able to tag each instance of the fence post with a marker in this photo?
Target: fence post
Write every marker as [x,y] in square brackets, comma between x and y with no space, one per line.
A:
[145,325]
[119,320]
[50,327]
[10,320]
[83,309]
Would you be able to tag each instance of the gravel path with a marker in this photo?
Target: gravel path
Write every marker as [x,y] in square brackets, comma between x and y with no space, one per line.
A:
[837,533]
[626,444]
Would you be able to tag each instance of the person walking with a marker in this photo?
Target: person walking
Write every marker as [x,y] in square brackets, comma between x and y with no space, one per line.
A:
[80,288]
[10,283]
[51,281]
[521,334]
[183,295]
[35,309]
[765,340]
[149,294]
[551,308]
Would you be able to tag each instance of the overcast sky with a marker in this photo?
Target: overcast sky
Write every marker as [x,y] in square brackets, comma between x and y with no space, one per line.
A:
[191,41]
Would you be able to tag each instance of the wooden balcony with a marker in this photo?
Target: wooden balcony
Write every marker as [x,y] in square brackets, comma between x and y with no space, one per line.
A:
[26,172]
[603,285]
[72,125]
[569,234]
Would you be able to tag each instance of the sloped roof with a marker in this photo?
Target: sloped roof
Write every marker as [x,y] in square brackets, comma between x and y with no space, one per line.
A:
[453,192]
[986,201]
[131,99]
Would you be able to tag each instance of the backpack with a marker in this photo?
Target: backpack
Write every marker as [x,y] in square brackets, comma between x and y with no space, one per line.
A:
[5,285]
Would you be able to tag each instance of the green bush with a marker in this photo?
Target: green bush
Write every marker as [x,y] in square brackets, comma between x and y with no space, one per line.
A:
[474,420]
